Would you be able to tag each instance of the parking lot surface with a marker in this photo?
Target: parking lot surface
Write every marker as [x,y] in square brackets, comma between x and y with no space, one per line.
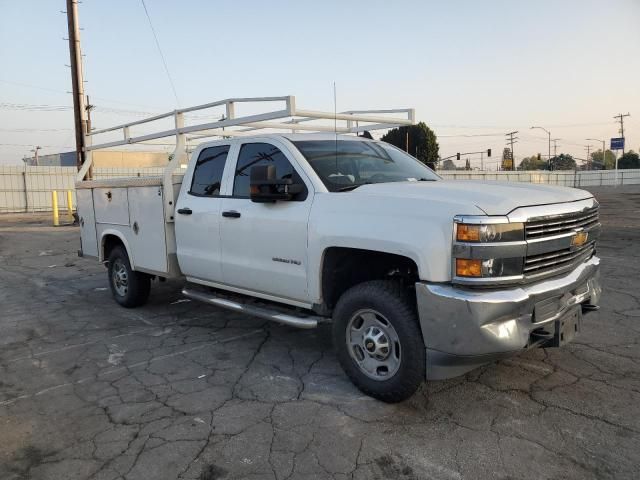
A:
[181,390]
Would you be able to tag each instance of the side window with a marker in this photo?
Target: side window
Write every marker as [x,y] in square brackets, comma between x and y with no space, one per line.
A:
[207,175]
[258,154]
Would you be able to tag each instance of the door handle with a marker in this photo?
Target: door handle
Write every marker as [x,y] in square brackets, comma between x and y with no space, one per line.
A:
[231,214]
[185,211]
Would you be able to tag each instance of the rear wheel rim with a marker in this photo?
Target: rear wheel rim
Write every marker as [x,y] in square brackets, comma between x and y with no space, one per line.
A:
[120,277]
[373,344]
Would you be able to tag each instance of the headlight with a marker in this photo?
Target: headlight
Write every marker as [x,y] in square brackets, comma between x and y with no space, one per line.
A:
[489,233]
[487,250]
[488,268]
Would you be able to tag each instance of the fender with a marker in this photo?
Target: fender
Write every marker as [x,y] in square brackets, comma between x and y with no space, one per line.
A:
[121,237]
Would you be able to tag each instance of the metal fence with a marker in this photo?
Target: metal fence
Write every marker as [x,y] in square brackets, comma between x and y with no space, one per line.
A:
[567,178]
[28,189]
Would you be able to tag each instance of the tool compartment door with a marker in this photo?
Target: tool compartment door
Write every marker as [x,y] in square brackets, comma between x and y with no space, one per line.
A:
[147,237]
[111,205]
[87,219]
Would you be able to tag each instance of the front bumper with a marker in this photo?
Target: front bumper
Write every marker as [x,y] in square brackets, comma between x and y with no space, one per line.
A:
[466,328]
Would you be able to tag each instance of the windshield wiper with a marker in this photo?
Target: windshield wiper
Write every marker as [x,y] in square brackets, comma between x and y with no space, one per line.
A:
[426,179]
[352,187]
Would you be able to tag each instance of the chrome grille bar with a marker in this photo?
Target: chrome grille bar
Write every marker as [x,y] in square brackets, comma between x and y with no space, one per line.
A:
[561,224]
[548,260]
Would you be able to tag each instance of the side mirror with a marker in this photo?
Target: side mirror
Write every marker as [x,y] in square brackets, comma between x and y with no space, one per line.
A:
[265,187]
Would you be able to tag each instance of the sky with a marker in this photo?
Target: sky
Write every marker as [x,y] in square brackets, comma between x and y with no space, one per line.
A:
[472,70]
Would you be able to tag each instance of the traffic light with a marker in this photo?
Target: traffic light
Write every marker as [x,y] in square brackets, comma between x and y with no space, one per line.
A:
[538,157]
[488,152]
[458,156]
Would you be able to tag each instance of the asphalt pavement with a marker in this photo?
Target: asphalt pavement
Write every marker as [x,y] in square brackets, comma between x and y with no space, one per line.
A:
[176,389]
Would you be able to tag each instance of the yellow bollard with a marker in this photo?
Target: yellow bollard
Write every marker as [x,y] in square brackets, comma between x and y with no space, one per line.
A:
[54,205]
[70,205]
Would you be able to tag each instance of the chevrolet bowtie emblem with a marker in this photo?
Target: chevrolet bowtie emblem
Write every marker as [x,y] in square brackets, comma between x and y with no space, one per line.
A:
[579,239]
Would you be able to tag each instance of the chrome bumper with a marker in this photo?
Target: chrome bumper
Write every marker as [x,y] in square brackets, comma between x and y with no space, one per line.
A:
[466,328]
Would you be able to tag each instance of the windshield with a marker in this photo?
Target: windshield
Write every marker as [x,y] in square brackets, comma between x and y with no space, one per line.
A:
[346,164]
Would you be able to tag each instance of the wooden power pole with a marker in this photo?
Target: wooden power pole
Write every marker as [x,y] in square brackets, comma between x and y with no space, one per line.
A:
[77,81]
[620,118]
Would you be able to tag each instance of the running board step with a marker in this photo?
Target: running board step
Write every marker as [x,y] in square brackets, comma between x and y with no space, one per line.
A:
[261,312]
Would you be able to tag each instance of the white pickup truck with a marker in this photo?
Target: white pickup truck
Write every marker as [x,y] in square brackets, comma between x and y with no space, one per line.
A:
[422,278]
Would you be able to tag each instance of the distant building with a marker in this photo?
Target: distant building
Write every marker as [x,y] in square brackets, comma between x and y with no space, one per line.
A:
[105,159]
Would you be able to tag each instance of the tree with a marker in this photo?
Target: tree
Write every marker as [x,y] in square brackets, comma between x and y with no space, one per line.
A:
[609,159]
[448,165]
[629,160]
[423,143]
[535,162]
[563,162]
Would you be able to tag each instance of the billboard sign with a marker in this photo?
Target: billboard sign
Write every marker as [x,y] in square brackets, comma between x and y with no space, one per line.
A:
[617,143]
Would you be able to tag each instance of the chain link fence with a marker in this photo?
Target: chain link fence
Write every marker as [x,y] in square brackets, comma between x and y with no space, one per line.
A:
[28,189]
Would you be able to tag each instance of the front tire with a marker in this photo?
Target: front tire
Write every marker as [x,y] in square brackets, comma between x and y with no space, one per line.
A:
[378,340]
[129,288]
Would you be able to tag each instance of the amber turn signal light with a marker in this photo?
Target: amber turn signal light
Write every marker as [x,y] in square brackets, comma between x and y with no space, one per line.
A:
[468,233]
[468,268]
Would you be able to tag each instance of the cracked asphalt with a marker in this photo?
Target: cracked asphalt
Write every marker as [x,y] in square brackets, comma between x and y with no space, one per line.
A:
[89,390]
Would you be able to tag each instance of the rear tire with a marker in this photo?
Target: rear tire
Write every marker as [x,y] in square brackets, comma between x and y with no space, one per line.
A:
[129,288]
[378,340]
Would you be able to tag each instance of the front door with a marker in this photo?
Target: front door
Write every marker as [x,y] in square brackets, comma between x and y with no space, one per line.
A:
[264,245]
[197,217]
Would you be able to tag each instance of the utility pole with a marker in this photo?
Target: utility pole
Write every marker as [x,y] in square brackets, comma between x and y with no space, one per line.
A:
[620,118]
[511,140]
[555,146]
[588,147]
[77,81]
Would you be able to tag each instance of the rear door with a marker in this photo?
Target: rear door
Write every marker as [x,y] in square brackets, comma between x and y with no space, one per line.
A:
[264,245]
[197,219]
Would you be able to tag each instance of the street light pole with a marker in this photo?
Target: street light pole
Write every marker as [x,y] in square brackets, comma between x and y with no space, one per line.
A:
[548,133]
[35,151]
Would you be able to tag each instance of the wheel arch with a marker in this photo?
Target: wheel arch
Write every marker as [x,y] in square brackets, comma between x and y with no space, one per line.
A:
[344,267]
[111,238]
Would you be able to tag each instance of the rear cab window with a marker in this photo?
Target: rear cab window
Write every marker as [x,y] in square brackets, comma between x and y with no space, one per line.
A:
[208,171]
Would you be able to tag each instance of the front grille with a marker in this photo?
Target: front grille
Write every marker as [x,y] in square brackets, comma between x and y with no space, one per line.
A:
[557,261]
[560,224]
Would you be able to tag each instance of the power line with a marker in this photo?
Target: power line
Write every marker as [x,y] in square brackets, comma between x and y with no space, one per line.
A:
[63,92]
[34,108]
[164,62]
[472,135]
[30,130]
[31,145]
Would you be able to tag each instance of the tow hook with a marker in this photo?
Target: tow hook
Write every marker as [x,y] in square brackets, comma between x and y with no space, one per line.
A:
[589,307]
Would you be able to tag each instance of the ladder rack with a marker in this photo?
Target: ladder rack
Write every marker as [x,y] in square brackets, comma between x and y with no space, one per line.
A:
[290,118]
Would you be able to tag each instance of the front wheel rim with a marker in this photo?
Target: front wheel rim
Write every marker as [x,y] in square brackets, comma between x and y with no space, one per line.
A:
[120,278]
[373,344]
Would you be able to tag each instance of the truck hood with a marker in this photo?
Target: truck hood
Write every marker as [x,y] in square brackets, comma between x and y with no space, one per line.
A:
[493,198]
